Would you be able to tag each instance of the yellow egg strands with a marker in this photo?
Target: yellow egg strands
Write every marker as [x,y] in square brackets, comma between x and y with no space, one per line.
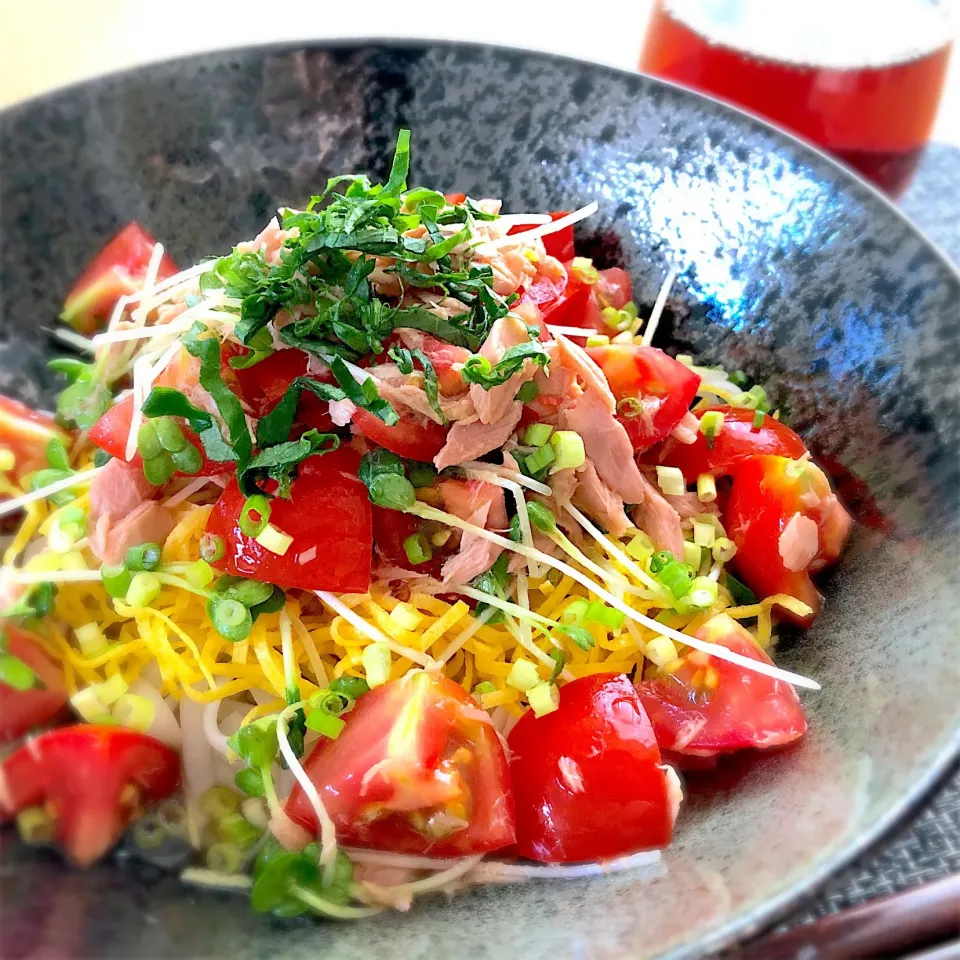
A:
[195,661]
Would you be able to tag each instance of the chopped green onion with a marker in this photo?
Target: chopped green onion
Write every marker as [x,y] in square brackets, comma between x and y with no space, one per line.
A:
[148,832]
[256,742]
[527,392]
[90,637]
[135,712]
[45,477]
[422,475]
[704,534]
[723,550]
[537,434]
[568,450]
[711,423]
[325,724]
[57,455]
[225,858]
[703,593]
[376,660]
[585,270]
[159,469]
[143,590]
[692,554]
[670,481]
[405,615]
[484,687]
[255,811]
[199,574]
[350,687]
[417,548]
[544,698]
[660,650]
[219,802]
[235,828]
[8,461]
[541,517]
[230,618]
[706,488]
[640,547]
[630,407]
[598,340]
[273,539]
[676,577]
[574,611]
[187,460]
[540,459]
[758,419]
[212,547]
[660,559]
[606,616]
[148,443]
[523,675]
[144,556]
[255,515]
[15,673]
[169,434]
[116,580]
[754,399]
[393,491]
[250,781]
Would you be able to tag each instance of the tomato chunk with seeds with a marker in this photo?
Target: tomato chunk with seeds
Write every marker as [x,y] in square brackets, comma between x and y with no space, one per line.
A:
[704,706]
[92,780]
[328,516]
[417,769]
[588,779]
[26,433]
[117,270]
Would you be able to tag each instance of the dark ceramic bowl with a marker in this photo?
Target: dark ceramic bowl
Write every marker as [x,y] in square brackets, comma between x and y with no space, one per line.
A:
[791,270]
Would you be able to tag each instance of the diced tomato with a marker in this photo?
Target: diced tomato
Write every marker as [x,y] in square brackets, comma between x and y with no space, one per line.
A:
[417,769]
[22,710]
[263,386]
[92,780]
[737,441]
[390,529]
[444,356]
[328,516]
[455,199]
[558,244]
[110,432]
[768,492]
[587,778]
[569,305]
[413,436]
[26,433]
[707,706]
[664,386]
[117,270]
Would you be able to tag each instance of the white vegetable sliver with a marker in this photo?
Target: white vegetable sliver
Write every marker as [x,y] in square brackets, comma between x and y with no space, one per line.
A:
[75,480]
[368,629]
[651,328]
[547,228]
[722,653]
[478,467]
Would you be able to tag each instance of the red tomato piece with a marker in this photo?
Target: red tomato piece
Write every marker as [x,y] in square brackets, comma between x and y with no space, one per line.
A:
[587,778]
[390,529]
[413,436]
[737,441]
[263,385]
[116,271]
[558,244]
[768,516]
[455,199]
[707,706]
[110,432]
[573,305]
[22,710]
[26,433]
[417,769]
[665,387]
[328,515]
[111,772]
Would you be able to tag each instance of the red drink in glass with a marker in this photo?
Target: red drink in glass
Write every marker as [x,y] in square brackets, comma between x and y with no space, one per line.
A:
[862,78]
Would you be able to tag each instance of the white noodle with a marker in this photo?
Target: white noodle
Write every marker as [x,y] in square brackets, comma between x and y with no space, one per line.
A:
[659,304]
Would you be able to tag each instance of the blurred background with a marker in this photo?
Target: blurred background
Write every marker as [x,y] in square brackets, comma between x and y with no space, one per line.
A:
[871,80]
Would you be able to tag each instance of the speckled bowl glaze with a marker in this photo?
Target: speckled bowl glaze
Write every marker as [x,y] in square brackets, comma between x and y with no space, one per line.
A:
[790,270]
